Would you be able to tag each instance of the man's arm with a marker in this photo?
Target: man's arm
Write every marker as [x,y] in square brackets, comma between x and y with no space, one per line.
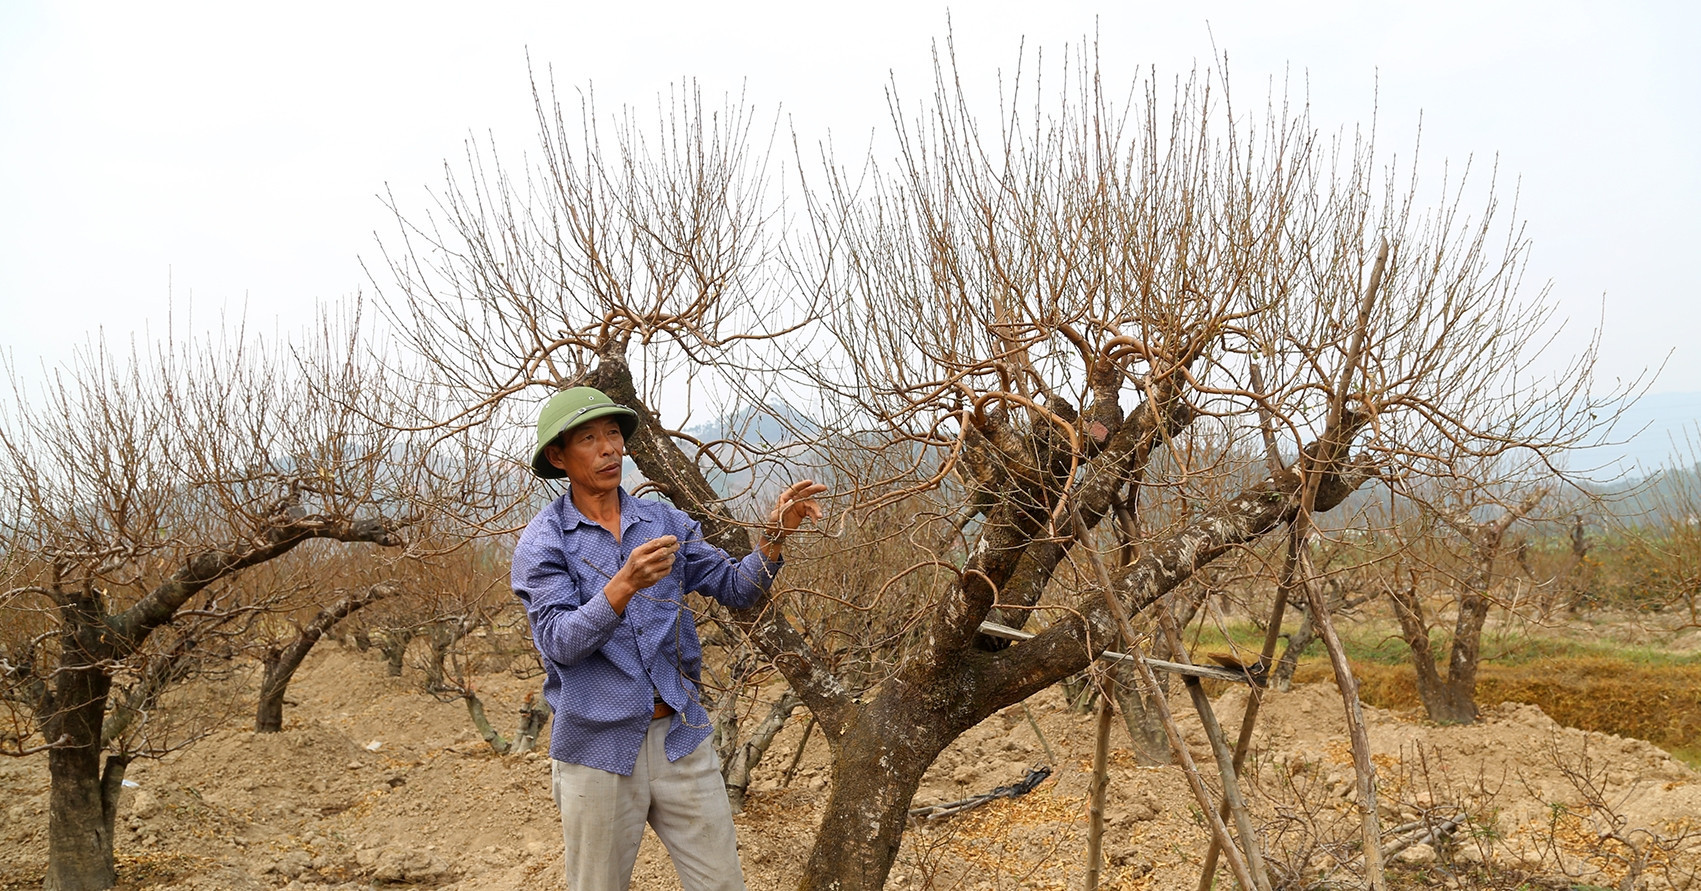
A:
[712,572]
[566,625]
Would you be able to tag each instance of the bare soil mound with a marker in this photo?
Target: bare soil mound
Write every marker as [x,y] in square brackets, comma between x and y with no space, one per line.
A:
[374,784]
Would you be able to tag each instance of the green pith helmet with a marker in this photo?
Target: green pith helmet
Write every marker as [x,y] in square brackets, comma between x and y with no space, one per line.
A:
[568,409]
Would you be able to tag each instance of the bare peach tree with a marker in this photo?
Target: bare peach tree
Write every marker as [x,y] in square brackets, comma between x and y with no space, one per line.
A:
[319,592]
[1145,320]
[1470,573]
[461,600]
[138,488]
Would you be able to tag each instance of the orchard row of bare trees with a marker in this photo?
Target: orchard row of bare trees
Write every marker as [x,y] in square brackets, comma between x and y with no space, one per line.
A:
[1058,355]
[162,509]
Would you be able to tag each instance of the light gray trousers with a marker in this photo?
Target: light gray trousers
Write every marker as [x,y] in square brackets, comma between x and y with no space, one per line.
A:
[603,816]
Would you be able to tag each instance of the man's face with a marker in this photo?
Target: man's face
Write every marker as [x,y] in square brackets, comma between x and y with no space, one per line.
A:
[590,455]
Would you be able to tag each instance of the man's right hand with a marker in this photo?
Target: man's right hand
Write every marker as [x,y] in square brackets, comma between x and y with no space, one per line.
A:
[650,563]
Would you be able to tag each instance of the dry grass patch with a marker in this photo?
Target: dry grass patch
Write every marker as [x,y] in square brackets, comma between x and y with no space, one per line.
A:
[1657,703]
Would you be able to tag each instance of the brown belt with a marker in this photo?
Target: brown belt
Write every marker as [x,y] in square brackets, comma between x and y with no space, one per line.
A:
[662,710]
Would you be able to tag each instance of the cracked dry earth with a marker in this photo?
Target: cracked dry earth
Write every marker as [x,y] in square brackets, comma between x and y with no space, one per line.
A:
[373,784]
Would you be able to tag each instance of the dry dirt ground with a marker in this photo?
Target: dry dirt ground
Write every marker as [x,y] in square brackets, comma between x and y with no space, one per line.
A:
[373,784]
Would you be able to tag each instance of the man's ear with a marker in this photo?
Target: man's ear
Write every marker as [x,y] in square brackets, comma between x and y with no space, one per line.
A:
[552,454]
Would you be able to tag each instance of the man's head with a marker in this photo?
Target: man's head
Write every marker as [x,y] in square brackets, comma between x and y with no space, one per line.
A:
[567,410]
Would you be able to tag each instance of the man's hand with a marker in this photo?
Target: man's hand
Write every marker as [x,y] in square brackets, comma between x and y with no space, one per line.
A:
[796,504]
[650,563]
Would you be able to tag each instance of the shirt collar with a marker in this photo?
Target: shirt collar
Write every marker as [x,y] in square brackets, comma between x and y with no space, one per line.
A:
[632,510]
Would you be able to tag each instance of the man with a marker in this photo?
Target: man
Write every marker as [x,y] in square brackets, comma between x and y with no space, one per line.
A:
[603,577]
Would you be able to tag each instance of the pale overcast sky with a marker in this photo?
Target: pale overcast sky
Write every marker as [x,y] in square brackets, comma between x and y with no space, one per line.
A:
[234,151]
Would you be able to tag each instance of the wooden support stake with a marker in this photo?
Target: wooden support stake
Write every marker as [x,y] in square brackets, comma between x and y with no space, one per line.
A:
[1363,767]
[1100,781]
[1255,700]
[1232,676]
[1050,757]
[1227,770]
[1303,527]
[1207,807]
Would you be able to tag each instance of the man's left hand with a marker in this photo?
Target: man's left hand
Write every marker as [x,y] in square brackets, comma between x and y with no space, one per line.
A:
[794,505]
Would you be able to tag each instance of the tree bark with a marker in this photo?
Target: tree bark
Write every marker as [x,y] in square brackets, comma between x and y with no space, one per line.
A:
[280,665]
[747,754]
[79,816]
[1145,730]
[877,766]
[393,643]
[1440,698]
[1302,637]
[1140,714]
[441,637]
[533,715]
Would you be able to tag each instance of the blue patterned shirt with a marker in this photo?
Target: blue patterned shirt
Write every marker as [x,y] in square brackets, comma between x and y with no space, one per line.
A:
[605,668]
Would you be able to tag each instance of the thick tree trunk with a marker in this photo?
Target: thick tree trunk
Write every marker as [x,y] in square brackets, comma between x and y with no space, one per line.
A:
[274,683]
[82,802]
[442,637]
[475,710]
[79,824]
[1451,704]
[1145,727]
[533,715]
[1450,699]
[1459,695]
[746,755]
[80,815]
[1303,637]
[393,643]
[1414,630]
[877,766]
